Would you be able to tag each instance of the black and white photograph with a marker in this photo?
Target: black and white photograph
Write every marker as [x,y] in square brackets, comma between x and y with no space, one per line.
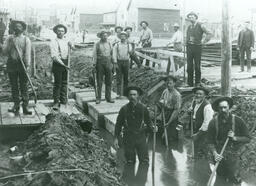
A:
[127,93]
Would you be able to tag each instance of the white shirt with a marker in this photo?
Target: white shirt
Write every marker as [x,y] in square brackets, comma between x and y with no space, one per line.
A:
[177,37]
[59,49]
[208,115]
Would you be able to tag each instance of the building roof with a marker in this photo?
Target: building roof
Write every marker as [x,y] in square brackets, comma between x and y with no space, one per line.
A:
[154,4]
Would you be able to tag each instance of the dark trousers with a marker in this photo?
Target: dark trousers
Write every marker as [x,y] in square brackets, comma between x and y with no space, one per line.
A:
[122,76]
[247,51]
[134,58]
[194,53]
[104,68]
[146,46]
[60,83]
[1,37]
[19,85]
[171,129]
[136,143]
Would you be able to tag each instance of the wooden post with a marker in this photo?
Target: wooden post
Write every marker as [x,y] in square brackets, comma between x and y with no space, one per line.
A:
[226,51]
[184,38]
[33,62]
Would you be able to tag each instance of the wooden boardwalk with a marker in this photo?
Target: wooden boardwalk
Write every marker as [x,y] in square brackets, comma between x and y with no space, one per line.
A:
[39,113]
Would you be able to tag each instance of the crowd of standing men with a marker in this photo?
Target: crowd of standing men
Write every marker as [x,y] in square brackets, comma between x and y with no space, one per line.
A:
[133,122]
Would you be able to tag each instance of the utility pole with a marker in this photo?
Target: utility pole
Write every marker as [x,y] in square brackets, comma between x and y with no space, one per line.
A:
[226,50]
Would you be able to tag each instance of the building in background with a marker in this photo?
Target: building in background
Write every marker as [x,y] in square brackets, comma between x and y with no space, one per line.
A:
[90,21]
[109,19]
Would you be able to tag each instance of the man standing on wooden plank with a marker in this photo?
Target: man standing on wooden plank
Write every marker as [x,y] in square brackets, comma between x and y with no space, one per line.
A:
[194,43]
[224,125]
[171,102]
[132,42]
[134,120]
[246,45]
[60,53]
[202,114]
[16,72]
[121,57]
[102,59]
[177,38]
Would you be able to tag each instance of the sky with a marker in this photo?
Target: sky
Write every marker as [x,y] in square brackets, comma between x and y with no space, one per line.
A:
[206,8]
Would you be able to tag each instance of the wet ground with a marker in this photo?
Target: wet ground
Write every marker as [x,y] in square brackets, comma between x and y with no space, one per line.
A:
[173,167]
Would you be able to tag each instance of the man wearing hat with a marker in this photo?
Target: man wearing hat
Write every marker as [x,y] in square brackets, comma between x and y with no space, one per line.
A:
[133,118]
[177,38]
[222,126]
[116,38]
[132,42]
[102,59]
[201,113]
[60,53]
[121,58]
[146,35]
[194,48]
[245,45]
[171,102]
[17,44]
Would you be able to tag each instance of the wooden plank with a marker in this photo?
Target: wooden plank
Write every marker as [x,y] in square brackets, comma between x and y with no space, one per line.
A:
[30,119]
[110,121]
[7,117]
[41,110]
[95,110]
[170,53]
[157,61]
[69,109]
[156,87]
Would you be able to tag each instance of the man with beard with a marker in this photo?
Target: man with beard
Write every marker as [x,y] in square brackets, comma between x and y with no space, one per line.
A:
[102,59]
[171,103]
[224,125]
[16,46]
[116,39]
[60,53]
[194,48]
[134,120]
[201,113]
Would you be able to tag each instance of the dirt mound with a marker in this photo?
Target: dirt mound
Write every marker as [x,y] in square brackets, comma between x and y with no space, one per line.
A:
[64,155]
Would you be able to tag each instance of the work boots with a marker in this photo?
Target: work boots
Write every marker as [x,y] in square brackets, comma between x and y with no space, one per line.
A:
[15,109]
[26,111]
[56,106]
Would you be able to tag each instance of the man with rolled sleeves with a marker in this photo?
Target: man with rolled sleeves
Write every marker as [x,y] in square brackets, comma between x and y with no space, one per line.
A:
[201,113]
[121,57]
[171,103]
[194,43]
[177,38]
[246,45]
[226,125]
[134,120]
[60,53]
[102,59]
[17,44]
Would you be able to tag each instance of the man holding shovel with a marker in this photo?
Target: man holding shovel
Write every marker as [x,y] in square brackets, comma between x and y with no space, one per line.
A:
[223,126]
[18,46]
[60,53]
[170,102]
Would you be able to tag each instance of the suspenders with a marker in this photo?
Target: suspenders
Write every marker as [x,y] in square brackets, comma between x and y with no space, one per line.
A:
[126,121]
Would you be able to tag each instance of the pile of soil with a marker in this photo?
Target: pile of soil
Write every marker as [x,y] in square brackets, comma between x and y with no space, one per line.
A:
[67,156]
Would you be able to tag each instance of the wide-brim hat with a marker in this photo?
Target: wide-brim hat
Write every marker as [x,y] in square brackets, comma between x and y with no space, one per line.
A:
[143,22]
[176,25]
[138,89]
[216,102]
[24,25]
[55,28]
[128,28]
[206,91]
[166,78]
[192,13]
[118,27]
[124,33]
[103,32]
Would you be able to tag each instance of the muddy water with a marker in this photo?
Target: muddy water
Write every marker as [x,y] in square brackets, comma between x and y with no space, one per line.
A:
[173,167]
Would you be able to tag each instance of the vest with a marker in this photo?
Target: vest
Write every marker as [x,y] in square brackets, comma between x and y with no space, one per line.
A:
[195,34]
[99,53]
[199,115]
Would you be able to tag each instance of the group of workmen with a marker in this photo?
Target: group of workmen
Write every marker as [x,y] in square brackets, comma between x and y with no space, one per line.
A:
[211,123]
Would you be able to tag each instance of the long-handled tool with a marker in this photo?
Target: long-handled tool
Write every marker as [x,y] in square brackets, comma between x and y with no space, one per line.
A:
[217,164]
[68,67]
[154,148]
[25,70]
[94,75]
[165,128]
[192,133]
